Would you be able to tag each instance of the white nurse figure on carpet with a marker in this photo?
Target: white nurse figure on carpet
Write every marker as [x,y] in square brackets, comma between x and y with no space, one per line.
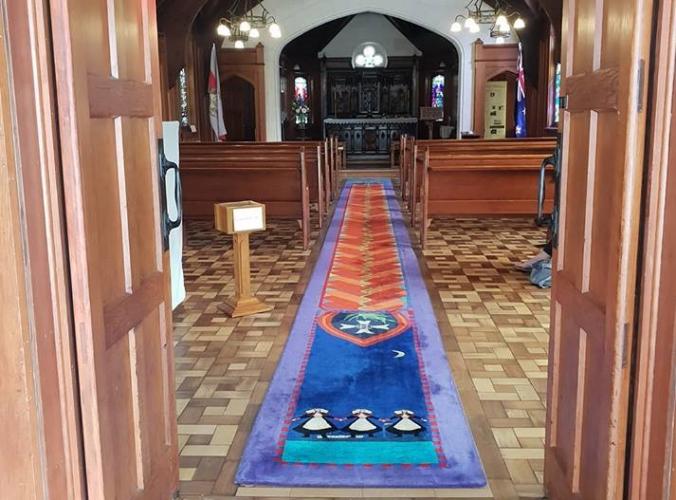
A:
[316,423]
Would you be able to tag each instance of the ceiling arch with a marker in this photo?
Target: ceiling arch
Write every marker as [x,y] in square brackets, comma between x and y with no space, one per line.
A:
[177,18]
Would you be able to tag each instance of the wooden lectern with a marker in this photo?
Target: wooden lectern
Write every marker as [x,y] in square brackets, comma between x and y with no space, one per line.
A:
[240,219]
[429,115]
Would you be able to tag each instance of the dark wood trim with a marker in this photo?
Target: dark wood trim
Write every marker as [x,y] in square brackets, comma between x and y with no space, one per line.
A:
[488,62]
[110,97]
[248,64]
[132,309]
[597,91]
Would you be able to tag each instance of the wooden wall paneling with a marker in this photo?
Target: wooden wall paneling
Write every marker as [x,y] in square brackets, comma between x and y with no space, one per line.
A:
[653,463]
[44,413]
[546,68]
[201,72]
[489,61]
[164,78]
[248,64]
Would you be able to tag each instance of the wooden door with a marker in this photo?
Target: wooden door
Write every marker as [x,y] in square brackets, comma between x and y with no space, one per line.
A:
[605,44]
[109,107]
[239,105]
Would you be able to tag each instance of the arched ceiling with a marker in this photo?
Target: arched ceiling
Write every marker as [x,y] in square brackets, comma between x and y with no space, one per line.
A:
[177,18]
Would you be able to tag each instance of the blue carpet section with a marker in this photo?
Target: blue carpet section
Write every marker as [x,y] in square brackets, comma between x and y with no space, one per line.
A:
[360,453]
[342,377]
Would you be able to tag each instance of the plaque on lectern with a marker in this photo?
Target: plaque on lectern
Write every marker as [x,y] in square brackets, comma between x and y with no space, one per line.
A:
[240,217]
[431,114]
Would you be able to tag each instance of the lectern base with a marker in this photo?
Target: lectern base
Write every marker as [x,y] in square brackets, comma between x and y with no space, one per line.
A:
[236,308]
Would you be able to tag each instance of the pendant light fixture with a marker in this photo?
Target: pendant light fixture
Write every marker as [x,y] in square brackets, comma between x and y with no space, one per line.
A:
[239,28]
[498,16]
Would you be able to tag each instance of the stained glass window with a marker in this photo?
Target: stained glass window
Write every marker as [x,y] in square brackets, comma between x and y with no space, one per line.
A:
[300,89]
[438,85]
[300,105]
[557,92]
[183,98]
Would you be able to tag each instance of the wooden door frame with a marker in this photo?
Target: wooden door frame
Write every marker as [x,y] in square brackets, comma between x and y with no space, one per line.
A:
[650,341]
[42,456]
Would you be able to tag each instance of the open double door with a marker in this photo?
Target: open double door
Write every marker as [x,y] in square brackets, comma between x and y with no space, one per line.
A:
[107,102]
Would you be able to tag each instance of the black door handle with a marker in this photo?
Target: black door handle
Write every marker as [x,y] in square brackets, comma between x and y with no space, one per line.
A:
[166,222]
[556,212]
[541,219]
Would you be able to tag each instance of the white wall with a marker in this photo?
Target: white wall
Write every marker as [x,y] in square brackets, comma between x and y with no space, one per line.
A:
[298,16]
[369,27]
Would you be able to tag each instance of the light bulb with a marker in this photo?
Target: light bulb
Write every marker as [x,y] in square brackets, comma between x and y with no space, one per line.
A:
[501,21]
[360,60]
[254,33]
[239,44]
[456,27]
[275,30]
[474,28]
[244,26]
[369,51]
[519,24]
[223,30]
[469,22]
[499,40]
[378,60]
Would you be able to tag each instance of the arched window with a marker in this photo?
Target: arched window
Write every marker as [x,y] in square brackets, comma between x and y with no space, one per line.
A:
[184,112]
[300,105]
[369,55]
[557,94]
[300,89]
[438,86]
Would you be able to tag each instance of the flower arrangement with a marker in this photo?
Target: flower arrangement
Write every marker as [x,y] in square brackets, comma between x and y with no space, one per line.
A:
[301,110]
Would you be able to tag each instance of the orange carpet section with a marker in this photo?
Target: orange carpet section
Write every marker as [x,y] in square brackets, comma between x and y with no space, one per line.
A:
[366,273]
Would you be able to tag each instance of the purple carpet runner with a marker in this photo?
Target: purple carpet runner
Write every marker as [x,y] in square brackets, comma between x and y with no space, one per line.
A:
[363,395]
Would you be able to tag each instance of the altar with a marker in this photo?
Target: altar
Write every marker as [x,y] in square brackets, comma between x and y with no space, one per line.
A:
[369,136]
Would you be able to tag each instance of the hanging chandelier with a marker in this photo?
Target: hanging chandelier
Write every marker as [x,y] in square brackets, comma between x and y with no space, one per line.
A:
[241,28]
[498,17]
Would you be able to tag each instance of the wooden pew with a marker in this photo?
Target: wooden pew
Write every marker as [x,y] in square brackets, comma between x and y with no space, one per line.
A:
[482,179]
[395,150]
[467,151]
[406,144]
[337,159]
[282,184]
[315,158]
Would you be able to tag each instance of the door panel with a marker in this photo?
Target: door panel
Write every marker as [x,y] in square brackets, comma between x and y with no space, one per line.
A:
[108,93]
[595,262]
[239,103]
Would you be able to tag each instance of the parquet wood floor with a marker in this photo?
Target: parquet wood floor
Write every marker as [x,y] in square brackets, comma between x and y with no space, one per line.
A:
[493,322]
